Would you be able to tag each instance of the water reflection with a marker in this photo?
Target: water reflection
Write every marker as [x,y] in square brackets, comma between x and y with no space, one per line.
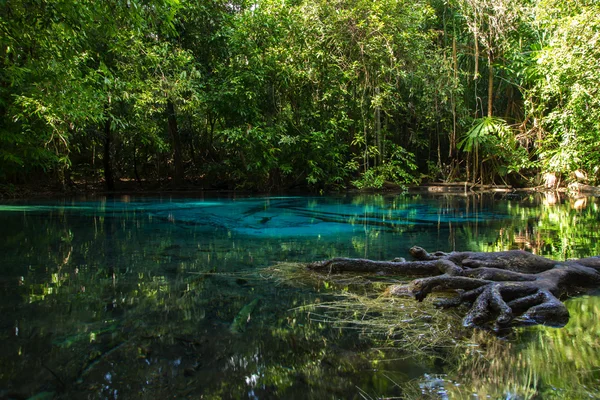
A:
[139,298]
[535,363]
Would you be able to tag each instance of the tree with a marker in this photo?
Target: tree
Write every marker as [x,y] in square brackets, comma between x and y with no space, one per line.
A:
[47,86]
[335,82]
[495,29]
[490,23]
[280,94]
[562,89]
[62,76]
[502,288]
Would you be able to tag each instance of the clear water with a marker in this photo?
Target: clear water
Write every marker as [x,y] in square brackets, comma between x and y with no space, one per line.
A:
[173,297]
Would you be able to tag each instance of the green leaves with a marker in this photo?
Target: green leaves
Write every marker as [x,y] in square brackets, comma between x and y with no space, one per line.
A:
[62,64]
[319,93]
[564,84]
[480,133]
[398,169]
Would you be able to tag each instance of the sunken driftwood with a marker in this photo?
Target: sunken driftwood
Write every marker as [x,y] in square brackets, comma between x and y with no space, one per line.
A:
[503,288]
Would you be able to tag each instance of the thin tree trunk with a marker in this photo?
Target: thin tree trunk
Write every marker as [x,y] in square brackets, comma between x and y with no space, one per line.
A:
[468,167]
[437,134]
[135,168]
[476,164]
[490,84]
[379,141]
[455,66]
[364,121]
[176,143]
[109,181]
[476,73]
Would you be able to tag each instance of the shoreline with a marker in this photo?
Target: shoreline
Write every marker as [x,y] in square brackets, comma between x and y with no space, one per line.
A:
[128,188]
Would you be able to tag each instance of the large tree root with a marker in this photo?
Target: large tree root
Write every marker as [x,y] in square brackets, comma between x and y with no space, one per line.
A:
[502,288]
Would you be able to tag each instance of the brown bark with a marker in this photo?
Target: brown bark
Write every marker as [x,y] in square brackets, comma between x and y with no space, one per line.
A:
[502,289]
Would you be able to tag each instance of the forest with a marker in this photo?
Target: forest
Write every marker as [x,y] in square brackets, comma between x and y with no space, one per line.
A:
[290,94]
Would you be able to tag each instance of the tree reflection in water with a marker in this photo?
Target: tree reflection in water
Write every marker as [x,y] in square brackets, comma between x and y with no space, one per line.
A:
[135,299]
[535,363]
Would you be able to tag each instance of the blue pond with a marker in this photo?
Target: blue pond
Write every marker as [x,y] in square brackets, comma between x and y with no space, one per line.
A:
[177,297]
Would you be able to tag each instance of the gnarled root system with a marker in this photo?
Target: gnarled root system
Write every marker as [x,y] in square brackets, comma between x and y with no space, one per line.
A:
[502,288]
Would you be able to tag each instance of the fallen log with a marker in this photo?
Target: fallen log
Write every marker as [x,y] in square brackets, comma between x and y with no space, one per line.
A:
[464,187]
[582,188]
[502,289]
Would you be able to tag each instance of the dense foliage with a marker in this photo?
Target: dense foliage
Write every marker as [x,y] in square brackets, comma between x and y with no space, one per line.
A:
[311,94]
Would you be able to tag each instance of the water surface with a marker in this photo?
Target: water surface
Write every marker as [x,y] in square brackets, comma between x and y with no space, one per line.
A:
[131,297]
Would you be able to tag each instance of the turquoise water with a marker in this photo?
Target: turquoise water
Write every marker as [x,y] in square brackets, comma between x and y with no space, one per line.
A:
[176,297]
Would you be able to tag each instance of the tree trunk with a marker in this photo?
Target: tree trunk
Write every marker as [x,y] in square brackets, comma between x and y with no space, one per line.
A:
[455,67]
[490,84]
[378,138]
[176,143]
[476,56]
[135,167]
[109,181]
[503,289]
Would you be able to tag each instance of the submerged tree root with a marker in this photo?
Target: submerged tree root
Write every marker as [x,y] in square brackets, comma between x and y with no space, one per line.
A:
[503,289]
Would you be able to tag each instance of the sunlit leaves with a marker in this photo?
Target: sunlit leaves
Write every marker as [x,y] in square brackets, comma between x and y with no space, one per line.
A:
[316,72]
[565,90]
